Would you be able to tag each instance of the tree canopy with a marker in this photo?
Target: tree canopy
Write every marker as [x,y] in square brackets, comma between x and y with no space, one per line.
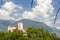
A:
[31,34]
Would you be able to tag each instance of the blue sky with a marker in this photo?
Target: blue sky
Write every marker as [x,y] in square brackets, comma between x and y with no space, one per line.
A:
[42,10]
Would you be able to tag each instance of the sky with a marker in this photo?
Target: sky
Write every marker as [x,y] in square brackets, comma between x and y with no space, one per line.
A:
[42,11]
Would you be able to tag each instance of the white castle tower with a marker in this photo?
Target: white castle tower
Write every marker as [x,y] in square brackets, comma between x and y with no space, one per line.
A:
[20,26]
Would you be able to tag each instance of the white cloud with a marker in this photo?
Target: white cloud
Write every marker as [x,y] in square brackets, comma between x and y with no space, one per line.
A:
[9,6]
[28,15]
[7,9]
[41,12]
[58,28]
[16,14]
[4,12]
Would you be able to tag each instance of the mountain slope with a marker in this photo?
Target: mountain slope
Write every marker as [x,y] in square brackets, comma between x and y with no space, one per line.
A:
[57,31]
[29,23]
[4,24]
[26,23]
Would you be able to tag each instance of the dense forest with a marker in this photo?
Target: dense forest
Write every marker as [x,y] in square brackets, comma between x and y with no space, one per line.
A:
[30,34]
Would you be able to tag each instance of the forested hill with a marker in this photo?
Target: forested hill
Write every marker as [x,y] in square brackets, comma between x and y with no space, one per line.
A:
[30,34]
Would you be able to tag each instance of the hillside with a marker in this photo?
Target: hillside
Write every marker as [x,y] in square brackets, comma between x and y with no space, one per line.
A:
[29,23]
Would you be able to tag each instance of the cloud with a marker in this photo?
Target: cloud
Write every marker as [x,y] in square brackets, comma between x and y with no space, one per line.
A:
[16,14]
[41,12]
[4,12]
[58,28]
[7,9]
[9,6]
[28,15]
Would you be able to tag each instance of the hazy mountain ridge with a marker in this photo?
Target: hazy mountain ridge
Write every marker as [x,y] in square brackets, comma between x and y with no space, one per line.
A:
[4,24]
[27,23]
[57,31]
[30,23]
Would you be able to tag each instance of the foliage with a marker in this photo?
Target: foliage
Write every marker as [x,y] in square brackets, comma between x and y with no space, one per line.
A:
[31,34]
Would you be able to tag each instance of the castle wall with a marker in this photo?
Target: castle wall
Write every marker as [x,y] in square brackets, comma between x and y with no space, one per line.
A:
[11,28]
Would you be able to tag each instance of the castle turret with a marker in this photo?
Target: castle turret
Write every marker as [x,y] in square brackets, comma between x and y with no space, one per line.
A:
[20,26]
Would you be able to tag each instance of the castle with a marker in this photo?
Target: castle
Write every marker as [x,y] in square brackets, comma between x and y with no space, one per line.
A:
[19,26]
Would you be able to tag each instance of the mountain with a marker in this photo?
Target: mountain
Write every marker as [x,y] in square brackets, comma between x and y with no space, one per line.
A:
[57,31]
[26,24]
[29,23]
[4,24]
